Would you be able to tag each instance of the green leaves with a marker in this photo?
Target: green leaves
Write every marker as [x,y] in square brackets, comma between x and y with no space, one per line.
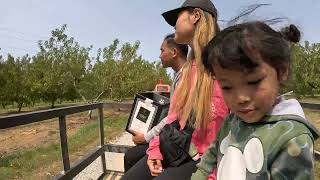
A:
[15,86]
[120,73]
[60,62]
[65,70]
[305,69]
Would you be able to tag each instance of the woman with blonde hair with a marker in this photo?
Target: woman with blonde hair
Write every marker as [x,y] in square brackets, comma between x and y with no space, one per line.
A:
[197,102]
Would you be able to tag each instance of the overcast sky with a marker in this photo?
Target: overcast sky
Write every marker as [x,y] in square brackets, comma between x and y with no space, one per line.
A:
[99,22]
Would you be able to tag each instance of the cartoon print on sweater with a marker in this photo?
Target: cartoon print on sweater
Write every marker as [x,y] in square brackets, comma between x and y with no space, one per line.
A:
[250,160]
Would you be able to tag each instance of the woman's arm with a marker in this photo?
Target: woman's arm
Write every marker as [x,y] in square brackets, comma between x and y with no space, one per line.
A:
[154,150]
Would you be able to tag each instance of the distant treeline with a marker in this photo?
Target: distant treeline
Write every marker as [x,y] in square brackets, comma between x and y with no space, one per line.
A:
[64,70]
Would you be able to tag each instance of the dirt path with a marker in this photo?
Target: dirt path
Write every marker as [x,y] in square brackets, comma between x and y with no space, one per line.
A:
[114,161]
[47,132]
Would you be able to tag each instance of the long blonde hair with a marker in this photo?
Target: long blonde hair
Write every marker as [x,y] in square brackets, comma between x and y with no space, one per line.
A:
[194,99]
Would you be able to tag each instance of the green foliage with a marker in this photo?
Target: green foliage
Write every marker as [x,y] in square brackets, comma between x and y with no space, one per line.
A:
[64,70]
[305,69]
[124,73]
[60,63]
[3,81]
[119,73]
[14,80]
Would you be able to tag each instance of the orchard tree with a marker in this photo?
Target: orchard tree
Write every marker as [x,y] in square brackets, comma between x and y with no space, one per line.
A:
[17,87]
[60,63]
[305,68]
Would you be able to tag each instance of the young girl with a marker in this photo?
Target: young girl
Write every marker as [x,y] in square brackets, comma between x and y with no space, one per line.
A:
[197,98]
[266,136]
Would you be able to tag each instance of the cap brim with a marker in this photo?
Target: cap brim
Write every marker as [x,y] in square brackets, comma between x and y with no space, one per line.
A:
[172,16]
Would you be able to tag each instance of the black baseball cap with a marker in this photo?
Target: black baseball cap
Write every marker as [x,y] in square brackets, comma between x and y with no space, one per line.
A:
[206,5]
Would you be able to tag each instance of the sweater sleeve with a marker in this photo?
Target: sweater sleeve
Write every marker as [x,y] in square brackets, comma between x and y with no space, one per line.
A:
[155,130]
[153,151]
[295,160]
[207,164]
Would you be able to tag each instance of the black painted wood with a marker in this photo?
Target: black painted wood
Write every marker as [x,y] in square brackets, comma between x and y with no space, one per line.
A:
[31,117]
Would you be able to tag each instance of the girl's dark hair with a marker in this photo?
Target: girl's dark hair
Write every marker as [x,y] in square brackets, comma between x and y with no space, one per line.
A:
[243,46]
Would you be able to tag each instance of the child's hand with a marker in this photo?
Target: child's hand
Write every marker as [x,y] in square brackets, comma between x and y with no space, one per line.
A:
[155,166]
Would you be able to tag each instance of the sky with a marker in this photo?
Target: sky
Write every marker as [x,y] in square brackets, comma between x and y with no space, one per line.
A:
[99,22]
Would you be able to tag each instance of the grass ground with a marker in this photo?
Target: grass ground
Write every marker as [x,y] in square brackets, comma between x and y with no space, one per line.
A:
[315,100]
[44,161]
[314,117]
[317,170]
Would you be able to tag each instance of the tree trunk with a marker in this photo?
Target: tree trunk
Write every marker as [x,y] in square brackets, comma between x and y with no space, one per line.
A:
[90,114]
[20,106]
[33,103]
[52,103]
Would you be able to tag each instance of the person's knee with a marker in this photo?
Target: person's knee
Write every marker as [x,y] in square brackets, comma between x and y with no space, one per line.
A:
[135,153]
[139,171]
[125,156]
[129,158]
[129,155]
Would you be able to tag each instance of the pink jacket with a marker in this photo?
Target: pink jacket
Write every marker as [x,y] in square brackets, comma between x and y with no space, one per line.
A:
[218,111]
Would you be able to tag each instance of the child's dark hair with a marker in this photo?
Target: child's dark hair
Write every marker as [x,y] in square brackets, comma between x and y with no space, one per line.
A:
[243,46]
[181,47]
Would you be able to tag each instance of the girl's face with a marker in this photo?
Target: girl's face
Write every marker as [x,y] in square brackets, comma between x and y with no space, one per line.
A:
[185,27]
[250,95]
